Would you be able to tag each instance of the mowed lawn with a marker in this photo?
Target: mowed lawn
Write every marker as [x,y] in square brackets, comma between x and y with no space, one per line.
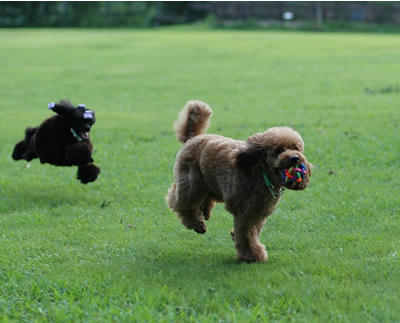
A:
[112,251]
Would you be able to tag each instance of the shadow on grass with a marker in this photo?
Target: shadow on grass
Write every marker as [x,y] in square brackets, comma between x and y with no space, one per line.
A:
[31,196]
[179,269]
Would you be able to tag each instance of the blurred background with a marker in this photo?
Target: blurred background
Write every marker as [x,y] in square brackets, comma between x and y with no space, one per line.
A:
[327,15]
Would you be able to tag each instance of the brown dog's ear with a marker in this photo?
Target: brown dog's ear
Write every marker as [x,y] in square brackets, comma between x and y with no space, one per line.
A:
[246,159]
[249,157]
[309,168]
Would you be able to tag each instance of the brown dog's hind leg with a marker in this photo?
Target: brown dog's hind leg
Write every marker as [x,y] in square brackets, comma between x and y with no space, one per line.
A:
[189,197]
[192,217]
[207,207]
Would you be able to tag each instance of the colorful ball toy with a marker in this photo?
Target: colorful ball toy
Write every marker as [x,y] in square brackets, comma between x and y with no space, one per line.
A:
[293,174]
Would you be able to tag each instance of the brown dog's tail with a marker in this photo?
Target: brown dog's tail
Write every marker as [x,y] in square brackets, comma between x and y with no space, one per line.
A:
[193,120]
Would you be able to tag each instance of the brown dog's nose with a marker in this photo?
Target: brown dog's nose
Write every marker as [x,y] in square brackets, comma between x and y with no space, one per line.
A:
[294,159]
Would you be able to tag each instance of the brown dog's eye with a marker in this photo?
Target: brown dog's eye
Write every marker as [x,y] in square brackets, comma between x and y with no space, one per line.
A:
[279,150]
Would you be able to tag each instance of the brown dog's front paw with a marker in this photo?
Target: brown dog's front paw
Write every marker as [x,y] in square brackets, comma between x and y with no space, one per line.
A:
[258,254]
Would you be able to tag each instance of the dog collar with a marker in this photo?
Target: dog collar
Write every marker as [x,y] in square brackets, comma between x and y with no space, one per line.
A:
[76,136]
[271,188]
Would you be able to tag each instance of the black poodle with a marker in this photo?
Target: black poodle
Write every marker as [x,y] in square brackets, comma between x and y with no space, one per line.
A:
[62,140]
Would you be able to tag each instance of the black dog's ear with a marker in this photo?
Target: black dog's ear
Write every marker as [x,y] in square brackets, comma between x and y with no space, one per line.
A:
[63,108]
[246,159]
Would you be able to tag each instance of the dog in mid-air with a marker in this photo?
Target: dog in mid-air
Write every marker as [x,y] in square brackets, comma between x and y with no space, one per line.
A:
[248,176]
[62,140]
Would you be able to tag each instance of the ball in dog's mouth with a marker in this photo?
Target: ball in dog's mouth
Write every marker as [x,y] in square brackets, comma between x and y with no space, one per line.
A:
[293,176]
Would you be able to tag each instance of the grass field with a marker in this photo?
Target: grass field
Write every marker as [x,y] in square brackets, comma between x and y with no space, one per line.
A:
[112,251]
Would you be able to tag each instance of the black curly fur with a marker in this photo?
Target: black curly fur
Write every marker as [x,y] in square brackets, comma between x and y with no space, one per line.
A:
[88,173]
[53,141]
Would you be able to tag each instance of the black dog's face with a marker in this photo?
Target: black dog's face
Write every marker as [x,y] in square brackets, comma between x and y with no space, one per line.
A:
[82,121]
[79,118]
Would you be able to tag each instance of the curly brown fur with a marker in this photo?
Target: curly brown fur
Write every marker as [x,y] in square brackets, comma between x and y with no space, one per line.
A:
[212,168]
[62,140]
[192,121]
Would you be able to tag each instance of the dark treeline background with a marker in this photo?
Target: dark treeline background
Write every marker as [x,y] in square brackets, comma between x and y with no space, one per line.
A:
[150,14]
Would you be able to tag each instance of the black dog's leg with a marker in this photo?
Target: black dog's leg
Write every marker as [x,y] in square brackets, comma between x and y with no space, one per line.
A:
[79,154]
[88,173]
[22,150]
[19,150]
[29,155]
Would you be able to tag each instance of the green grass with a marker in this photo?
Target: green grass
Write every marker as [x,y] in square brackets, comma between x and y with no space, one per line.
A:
[333,248]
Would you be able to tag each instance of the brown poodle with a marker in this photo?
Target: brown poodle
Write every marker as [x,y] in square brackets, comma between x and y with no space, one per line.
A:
[247,176]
